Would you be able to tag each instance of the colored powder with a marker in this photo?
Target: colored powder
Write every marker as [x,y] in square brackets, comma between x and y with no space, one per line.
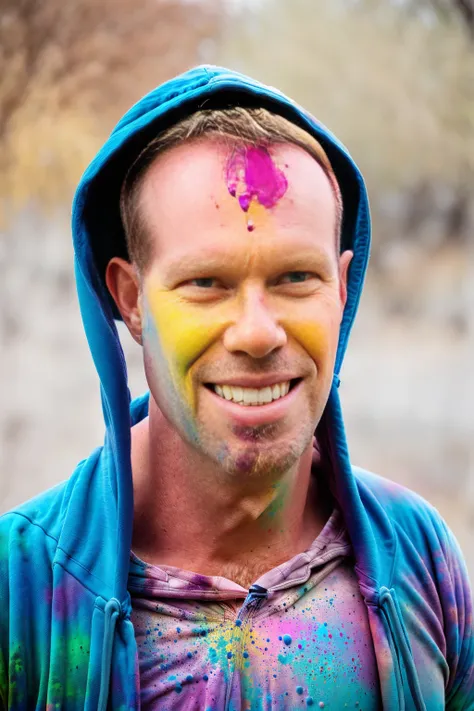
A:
[251,174]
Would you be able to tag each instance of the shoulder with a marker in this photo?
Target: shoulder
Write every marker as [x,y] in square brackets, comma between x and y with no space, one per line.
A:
[423,538]
[29,536]
[430,574]
[39,521]
[419,529]
[406,509]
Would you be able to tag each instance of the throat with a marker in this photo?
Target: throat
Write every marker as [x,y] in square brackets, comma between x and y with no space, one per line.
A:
[247,573]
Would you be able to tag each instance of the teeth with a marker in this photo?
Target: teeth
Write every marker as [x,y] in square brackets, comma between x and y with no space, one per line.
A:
[237,394]
[264,395]
[252,396]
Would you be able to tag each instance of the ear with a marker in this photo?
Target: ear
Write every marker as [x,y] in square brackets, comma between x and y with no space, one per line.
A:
[123,283]
[344,261]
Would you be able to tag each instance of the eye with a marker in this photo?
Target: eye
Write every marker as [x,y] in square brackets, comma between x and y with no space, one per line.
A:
[296,277]
[202,282]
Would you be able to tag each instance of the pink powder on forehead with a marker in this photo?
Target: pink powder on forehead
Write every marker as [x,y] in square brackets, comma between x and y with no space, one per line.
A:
[252,174]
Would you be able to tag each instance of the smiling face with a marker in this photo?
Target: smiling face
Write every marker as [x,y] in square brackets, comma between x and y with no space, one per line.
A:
[241,300]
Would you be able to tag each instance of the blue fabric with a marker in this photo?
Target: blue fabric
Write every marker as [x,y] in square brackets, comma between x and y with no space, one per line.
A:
[66,639]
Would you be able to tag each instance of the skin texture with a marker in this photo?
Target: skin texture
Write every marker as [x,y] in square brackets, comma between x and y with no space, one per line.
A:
[219,302]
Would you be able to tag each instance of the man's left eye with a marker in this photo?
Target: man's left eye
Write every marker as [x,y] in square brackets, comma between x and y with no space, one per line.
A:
[296,277]
[203,282]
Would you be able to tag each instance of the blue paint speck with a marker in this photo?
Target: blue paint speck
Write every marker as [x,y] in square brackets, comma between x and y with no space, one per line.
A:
[205,677]
[238,623]
[287,639]
[309,701]
[178,688]
[189,655]
[189,677]
[245,655]
[229,655]
[299,690]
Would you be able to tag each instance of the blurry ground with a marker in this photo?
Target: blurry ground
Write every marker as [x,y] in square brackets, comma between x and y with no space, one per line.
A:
[405,385]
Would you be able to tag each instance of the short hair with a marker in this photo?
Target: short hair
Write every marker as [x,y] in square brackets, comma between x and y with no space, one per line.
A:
[237,126]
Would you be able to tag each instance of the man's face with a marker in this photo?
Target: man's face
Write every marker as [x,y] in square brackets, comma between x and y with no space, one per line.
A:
[242,299]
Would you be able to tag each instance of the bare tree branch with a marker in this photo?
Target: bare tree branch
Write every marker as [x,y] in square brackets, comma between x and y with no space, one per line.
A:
[102,51]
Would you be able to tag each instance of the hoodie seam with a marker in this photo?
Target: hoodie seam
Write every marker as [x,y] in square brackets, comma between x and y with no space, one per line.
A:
[33,523]
[394,561]
[82,583]
[80,565]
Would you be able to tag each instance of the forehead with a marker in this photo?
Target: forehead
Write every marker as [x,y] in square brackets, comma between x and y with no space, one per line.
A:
[188,201]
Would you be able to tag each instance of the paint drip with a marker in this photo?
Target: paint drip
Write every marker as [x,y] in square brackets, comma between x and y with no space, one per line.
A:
[251,174]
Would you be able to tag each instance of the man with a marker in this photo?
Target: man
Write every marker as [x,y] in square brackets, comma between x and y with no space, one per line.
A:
[219,551]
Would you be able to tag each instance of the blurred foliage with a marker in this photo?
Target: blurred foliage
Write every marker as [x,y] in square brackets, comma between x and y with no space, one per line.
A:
[393,80]
[70,69]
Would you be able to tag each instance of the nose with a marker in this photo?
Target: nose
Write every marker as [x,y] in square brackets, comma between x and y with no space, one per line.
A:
[255,330]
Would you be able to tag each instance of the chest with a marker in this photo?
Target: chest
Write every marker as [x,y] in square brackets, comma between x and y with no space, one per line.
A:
[304,647]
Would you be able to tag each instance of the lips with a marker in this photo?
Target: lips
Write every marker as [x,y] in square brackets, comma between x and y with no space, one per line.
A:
[257,414]
[252,396]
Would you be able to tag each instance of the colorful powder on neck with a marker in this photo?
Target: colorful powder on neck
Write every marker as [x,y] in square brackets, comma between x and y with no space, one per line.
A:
[251,174]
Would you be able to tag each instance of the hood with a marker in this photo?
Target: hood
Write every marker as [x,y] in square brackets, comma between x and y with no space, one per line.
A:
[98,235]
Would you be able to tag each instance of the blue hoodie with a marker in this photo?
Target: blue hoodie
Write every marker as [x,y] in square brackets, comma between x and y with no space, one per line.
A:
[66,638]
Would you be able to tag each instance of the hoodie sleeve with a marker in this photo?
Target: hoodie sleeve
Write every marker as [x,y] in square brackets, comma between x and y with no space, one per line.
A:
[458,614]
[4,595]
[25,578]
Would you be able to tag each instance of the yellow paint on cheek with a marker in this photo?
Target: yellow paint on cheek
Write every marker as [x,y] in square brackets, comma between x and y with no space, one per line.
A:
[312,336]
[185,331]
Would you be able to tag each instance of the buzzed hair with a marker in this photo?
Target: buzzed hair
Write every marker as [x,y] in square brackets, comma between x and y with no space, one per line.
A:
[236,126]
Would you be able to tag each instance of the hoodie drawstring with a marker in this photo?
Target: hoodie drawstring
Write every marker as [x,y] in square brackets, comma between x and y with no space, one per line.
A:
[111,614]
[401,643]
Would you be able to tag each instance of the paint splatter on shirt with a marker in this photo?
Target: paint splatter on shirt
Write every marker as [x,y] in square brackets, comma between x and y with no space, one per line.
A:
[207,644]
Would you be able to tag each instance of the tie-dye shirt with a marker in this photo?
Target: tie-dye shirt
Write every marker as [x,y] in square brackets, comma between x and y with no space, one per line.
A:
[299,638]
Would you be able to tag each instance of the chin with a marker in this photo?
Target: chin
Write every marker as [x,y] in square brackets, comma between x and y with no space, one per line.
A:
[258,454]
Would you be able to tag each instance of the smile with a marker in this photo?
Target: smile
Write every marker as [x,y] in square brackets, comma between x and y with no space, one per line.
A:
[250,397]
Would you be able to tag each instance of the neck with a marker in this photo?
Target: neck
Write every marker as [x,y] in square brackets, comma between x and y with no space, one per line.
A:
[192,515]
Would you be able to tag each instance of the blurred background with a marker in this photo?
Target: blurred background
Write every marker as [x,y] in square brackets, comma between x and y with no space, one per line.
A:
[394,79]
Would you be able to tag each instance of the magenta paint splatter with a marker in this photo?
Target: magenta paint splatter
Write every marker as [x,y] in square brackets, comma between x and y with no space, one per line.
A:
[251,174]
